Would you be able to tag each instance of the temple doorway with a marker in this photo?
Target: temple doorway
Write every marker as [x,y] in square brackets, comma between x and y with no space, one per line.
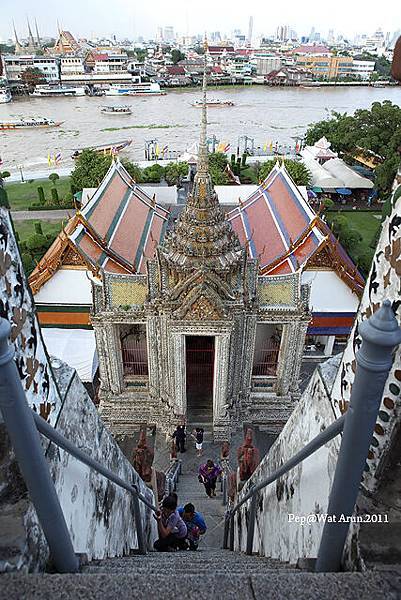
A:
[199,358]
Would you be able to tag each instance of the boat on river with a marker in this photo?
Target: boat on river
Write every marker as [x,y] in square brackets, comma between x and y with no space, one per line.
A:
[135,89]
[116,110]
[103,148]
[28,123]
[58,91]
[213,102]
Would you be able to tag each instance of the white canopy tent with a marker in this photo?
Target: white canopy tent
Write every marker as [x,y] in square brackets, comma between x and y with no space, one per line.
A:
[350,179]
[320,177]
[76,347]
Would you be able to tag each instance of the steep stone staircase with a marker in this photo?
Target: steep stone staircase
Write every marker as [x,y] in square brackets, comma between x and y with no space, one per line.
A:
[203,575]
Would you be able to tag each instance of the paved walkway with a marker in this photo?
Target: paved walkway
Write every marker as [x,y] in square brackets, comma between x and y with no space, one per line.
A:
[42,215]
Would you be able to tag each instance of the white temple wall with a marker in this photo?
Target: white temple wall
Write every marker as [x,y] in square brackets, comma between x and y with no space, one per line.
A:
[329,293]
[67,286]
[301,492]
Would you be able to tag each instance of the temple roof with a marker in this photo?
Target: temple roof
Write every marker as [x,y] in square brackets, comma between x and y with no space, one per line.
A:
[121,226]
[277,226]
[116,231]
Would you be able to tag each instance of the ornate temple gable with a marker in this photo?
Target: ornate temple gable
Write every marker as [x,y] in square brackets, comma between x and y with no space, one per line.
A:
[202,296]
[203,310]
[203,278]
[322,259]
[72,258]
[331,256]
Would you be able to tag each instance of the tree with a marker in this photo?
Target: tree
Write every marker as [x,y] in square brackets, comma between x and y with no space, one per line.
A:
[4,198]
[133,169]
[54,177]
[32,76]
[89,171]
[55,198]
[41,195]
[297,170]
[377,129]
[152,174]
[217,164]
[176,56]
[38,227]
[175,171]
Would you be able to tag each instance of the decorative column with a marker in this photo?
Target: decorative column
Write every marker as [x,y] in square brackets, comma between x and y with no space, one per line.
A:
[300,330]
[152,338]
[179,369]
[104,374]
[112,335]
[220,375]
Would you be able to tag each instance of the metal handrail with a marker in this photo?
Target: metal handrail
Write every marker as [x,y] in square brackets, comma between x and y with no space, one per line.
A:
[54,436]
[380,335]
[172,475]
[322,438]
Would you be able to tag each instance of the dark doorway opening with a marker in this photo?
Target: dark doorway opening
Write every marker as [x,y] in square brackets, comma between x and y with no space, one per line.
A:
[199,377]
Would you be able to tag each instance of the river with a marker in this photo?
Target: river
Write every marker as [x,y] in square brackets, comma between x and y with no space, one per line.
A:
[263,113]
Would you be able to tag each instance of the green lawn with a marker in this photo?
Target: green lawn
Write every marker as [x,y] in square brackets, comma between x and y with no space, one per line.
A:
[27,228]
[22,195]
[367,225]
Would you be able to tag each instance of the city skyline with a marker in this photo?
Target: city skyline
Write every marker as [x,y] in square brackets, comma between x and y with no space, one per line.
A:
[126,21]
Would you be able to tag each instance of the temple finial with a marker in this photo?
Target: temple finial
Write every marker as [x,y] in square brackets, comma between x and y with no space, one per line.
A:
[37,34]
[202,154]
[31,41]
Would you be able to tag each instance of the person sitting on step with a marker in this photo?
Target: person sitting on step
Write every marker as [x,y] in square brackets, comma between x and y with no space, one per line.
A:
[195,523]
[172,529]
[208,474]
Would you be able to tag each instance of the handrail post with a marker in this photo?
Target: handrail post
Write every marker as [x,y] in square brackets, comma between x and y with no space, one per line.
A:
[251,524]
[225,489]
[28,450]
[380,335]
[138,525]
[231,536]
[226,530]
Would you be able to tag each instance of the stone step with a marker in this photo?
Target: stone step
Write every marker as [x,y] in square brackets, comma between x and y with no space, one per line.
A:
[290,585]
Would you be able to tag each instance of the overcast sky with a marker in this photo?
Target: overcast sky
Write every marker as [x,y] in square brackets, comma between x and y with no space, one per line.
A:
[132,18]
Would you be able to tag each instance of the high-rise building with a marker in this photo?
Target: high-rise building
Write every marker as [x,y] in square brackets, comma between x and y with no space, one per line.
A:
[283,33]
[250,32]
[168,34]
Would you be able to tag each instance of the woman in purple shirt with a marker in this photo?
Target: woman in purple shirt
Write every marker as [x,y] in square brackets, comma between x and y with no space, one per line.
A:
[172,529]
[208,474]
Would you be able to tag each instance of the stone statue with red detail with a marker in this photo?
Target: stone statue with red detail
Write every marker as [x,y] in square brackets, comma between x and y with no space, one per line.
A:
[248,457]
[142,458]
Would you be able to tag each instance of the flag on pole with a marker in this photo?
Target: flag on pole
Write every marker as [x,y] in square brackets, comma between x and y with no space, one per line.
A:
[164,149]
[49,159]
[265,147]
[57,158]
[227,147]
[271,146]
[157,150]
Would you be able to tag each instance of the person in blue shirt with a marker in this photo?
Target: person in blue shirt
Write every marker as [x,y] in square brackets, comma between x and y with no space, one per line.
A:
[195,523]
